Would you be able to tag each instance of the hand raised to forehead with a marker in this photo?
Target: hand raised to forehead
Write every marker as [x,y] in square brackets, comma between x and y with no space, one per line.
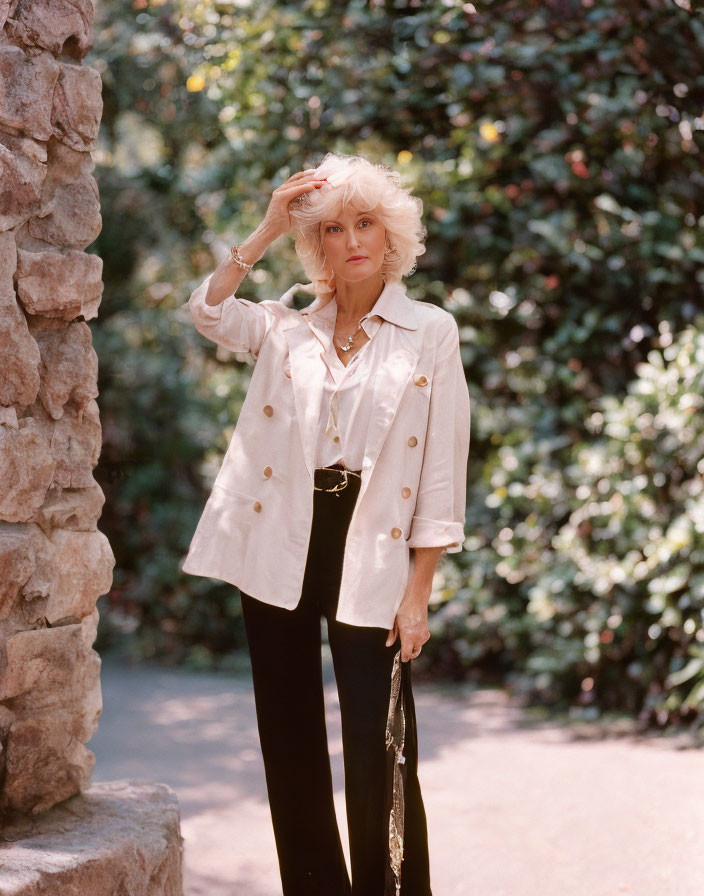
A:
[277,215]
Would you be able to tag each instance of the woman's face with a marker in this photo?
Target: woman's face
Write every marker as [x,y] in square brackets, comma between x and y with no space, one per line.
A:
[351,234]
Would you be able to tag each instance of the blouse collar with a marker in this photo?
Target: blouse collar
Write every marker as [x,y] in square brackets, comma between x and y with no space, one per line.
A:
[393,304]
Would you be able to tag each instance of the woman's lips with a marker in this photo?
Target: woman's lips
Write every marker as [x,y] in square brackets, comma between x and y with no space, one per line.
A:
[356,258]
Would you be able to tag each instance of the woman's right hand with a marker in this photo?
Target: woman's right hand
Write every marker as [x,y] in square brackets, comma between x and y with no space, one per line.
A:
[277,219]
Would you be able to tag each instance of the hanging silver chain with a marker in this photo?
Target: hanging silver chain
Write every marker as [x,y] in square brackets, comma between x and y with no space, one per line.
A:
[350,339]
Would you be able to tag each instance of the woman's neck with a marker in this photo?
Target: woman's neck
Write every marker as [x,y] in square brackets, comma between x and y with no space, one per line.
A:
[354,303]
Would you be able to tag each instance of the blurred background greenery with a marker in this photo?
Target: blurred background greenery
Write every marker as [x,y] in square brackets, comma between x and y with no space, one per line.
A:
[557,147]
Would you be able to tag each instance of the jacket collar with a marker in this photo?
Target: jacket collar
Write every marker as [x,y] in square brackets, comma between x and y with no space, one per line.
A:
[393,304]
[304,336]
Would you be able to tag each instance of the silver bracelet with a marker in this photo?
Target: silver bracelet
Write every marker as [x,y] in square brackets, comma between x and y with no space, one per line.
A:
[235,254]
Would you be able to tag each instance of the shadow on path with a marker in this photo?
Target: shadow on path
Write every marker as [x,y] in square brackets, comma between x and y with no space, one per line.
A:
[517,805]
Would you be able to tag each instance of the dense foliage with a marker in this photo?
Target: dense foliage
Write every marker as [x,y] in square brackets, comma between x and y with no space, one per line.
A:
[557,147]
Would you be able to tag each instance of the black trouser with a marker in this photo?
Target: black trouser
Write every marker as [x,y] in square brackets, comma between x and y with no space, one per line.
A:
[284,647]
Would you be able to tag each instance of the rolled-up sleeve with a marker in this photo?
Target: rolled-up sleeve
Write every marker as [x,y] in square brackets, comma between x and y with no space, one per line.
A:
[439,516]
[239,325]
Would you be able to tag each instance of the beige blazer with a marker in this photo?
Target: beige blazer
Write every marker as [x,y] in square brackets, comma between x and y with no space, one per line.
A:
[255,527]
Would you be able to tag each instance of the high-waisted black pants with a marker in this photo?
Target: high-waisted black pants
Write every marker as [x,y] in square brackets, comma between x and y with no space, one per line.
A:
[285,651]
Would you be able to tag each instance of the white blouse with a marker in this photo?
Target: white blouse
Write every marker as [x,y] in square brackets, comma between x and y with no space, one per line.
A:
[344,417]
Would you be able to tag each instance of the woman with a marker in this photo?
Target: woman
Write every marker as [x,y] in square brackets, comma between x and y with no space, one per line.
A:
[342,485]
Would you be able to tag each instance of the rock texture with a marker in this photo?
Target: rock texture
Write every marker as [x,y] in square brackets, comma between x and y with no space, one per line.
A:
[116,839]
[54,563]
[59,835]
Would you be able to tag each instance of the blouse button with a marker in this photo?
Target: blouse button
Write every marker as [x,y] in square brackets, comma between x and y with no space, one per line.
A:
[420,380]
[406,492]
[257,506]
[395,532]
[413,441]
[268,410]
[267,472]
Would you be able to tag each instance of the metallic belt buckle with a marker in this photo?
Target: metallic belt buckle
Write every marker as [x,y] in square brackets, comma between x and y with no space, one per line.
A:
[338,487]
[335,488]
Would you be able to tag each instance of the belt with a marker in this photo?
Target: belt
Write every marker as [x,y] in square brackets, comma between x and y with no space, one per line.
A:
[334,478]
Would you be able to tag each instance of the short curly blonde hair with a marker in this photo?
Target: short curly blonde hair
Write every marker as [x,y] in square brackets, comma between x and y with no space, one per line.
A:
[369,188]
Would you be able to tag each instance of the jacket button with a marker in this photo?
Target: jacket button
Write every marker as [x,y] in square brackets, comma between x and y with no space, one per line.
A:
[336,438]
[395,532]
[406,492]
[267,472]
[268,410]
[257,506]
[420,380]
[413,441]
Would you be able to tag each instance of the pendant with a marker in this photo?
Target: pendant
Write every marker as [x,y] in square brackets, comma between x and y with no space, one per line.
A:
[350,339]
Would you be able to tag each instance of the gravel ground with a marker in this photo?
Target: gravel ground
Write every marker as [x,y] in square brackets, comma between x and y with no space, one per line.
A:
[516,806]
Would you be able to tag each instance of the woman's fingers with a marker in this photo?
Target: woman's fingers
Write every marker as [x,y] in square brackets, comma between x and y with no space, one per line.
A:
[299,174]
[299,185]
[391,638]
[297,189]
[409,652]
[412,644]
[308,175]
[277,214]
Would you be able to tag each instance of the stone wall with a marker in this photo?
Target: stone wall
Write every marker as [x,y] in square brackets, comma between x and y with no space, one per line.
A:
[54,563]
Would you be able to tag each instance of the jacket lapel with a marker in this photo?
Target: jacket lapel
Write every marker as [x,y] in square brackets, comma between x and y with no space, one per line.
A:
[307,378]
[390,383]
[390,379]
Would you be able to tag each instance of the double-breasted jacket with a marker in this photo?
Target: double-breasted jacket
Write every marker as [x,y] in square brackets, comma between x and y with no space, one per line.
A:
[255,527]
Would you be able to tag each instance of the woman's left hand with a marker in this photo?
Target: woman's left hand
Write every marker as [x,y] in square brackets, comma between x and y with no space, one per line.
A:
[411,621]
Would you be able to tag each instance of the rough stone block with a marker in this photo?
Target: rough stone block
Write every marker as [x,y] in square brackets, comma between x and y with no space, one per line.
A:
[43,764]
[72,219]
[59,284]
[19,378]
[69,364]
[75,440]
[27,467]
[71,508]
[82,572]
[50,682]
[23,164]
[61,26]
[27,561]
[26,91]
[121,837]
[78,105]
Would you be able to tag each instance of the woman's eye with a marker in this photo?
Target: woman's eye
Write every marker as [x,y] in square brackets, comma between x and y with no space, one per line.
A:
[336,227]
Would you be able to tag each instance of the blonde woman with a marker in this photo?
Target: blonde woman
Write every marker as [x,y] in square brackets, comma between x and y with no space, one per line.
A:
[343,484]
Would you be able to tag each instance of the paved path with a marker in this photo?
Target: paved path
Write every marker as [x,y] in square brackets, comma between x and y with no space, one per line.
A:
[516,807]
